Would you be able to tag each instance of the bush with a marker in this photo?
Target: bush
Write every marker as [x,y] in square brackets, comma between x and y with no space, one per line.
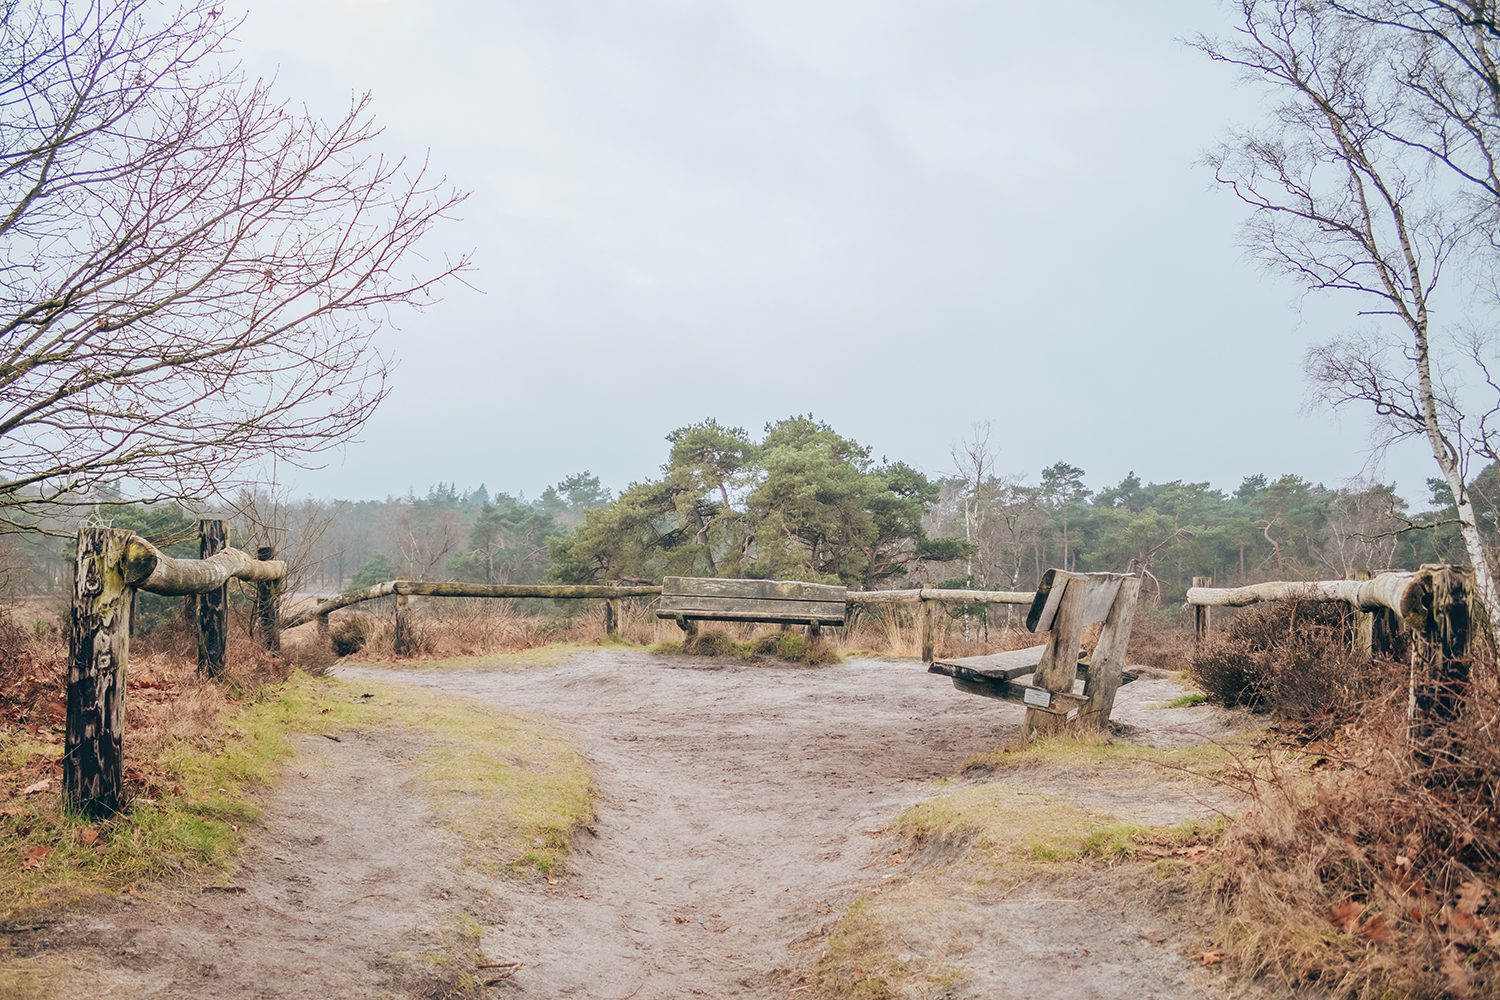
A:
[350,634]
[1375,875]
[1294,659]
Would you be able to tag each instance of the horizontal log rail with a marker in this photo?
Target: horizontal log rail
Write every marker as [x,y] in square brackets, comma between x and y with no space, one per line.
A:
[941,595]
[1397,592]
[420,588]
[147,568]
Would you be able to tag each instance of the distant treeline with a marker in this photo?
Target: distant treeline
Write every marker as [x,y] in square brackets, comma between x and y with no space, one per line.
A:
[804,502]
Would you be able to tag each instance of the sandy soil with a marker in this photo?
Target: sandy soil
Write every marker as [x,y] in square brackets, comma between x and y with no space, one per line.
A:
[344,888]
[741,808]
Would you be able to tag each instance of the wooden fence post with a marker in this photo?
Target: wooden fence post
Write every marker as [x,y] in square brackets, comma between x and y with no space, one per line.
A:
[213,605]
[1202,620]
[98,650]
[925,615]
[401,643]
[1363,638]
[1439,632]
[325,630]
[612,618]
[267,604]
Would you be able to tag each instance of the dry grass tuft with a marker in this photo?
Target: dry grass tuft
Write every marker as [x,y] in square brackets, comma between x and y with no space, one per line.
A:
[1375,875]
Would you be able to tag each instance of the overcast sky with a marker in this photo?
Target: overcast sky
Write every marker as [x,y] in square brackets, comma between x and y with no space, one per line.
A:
[902,217]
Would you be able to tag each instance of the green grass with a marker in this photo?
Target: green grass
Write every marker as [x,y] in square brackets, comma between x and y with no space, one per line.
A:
[1184,701]
[510,786]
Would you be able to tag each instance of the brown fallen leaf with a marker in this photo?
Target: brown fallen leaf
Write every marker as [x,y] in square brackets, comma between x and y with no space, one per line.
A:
[88,836]
[1209,956]
[1345,916]
[679,920]
[45,785]
[1471,896]
[35,857]
[1376,930]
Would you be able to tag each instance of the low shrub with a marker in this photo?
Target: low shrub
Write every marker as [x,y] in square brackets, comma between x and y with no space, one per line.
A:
[1294,659]
[1378,873]
[350,635]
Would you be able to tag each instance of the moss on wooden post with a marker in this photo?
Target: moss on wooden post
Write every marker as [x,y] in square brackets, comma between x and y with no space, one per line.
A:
[267,603]
[106,565]
[213,605]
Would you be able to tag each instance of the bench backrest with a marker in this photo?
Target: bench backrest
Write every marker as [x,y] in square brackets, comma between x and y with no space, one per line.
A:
[752,600]
[1091,595]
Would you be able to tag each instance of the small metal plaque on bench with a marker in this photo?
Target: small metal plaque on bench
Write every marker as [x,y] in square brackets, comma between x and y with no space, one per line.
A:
[1037,697]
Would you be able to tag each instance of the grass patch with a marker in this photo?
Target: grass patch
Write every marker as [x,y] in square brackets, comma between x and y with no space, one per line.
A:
[1004,826]
[1184,701]
[789,647]
[549,655]
[899,943]
[509,785]
[1092,750]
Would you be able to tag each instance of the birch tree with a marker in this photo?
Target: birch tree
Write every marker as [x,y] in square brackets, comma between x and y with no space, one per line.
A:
[1374,173]
[191,271]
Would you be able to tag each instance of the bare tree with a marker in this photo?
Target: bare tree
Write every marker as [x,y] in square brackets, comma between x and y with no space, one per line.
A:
[191,272]
[974,462]
[1375,173]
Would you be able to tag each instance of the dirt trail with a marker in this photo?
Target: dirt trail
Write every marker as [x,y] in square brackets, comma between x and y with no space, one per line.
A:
[740,809]
[347,882]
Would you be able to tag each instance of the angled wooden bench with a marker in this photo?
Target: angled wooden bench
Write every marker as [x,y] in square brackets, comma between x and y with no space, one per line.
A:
[1066,604]
[690,599]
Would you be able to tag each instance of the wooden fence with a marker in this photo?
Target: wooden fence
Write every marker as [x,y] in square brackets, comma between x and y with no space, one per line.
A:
[1424,616]
[928,598]
[110,565]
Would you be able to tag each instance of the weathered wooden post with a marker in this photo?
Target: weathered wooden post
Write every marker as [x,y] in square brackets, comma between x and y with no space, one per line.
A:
[1107,661]
[925,615]
[1362,637]
[267,603]
[1439,629]
[1059,666]
[1202,622]
[401,643]
[325,630]
[213,605]
[612,618]
[98,651]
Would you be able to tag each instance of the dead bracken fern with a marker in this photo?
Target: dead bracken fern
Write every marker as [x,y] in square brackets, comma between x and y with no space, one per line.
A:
[1374,874]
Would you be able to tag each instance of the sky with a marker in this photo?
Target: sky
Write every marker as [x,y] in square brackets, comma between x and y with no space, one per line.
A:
[905,218]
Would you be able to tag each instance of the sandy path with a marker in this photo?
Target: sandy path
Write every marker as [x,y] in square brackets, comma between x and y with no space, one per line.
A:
[737,807]
[348,880]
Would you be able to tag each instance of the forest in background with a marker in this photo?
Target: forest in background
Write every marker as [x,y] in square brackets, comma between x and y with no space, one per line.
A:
[802,501]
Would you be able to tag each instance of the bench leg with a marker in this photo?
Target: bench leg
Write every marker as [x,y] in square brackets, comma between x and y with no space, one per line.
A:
[689,628]
[814,632]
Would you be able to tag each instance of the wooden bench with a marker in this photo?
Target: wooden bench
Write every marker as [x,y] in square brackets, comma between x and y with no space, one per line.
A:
[1066,604]
[691,599]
